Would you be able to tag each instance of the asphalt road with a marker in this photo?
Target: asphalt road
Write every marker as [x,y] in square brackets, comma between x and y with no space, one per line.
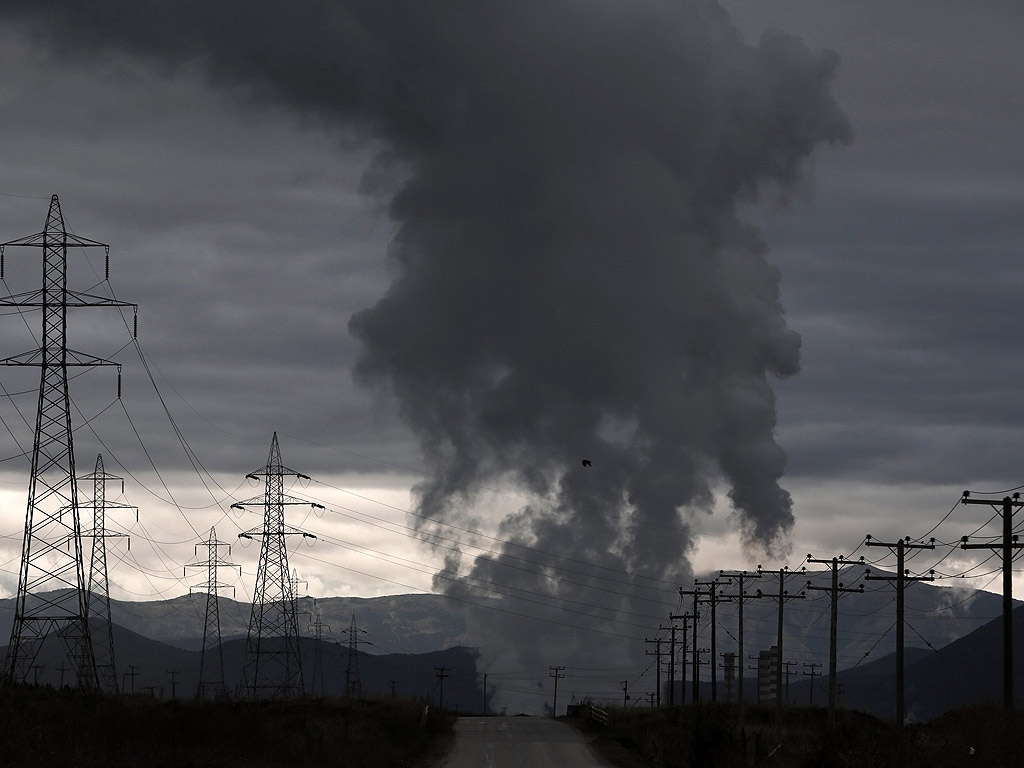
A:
[519,742]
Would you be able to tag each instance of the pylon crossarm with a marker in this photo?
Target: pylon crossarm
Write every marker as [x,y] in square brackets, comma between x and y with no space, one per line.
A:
[92,533]
[285,530]
[47,238]
[80,299]
[25,358]
[272,471]
[260,501]
[110,506]
[35,358]
[69,299]
[23,299]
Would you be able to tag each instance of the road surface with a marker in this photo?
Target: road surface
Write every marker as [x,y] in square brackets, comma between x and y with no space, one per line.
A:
[519,742]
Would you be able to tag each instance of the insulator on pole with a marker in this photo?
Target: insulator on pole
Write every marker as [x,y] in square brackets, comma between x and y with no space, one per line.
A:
[119,383]
[135,325]
[1,262]
[106,271]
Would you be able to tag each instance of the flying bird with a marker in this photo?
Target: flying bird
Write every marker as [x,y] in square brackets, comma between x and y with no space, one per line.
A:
[586,463]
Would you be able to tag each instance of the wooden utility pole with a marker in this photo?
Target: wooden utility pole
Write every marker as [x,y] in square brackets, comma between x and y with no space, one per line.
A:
[441,673]
[714,597]
[755,668]
[789,671]
[672,628]
[1006,546]
[686,618]
[132,674]
[556,672]
[782,596]
[702,652]
[625,693]
[697,595]
[174,681]
[657,655]
[834,591]
[813,673]
[740,578]
[901,578]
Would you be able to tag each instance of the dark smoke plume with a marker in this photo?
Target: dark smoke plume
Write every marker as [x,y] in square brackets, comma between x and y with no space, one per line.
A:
[573,280]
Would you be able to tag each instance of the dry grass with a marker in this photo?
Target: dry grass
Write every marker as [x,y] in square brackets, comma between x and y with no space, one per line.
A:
[43,728]
[708,736]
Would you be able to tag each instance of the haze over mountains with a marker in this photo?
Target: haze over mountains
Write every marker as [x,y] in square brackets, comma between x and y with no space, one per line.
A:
[404,638]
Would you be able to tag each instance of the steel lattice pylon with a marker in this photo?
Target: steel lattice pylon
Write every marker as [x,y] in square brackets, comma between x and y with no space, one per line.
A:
[353,683]
[317,628]
[101,626]
[273,665]
[211,665]
[52,592]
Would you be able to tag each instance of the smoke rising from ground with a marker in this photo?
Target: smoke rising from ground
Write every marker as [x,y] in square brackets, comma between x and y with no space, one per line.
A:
[572,280]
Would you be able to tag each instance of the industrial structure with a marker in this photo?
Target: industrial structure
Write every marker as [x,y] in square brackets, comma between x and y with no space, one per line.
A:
[52,590]
[273,663]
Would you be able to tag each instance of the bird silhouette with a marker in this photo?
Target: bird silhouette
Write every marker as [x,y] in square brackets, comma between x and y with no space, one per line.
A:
[586,463]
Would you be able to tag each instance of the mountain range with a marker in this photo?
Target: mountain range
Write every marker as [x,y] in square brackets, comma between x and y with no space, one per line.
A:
[953,640]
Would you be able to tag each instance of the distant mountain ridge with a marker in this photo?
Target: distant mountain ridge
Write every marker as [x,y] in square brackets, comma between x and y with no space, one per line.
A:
[414,623]
[147,666]
[412,634]
[423,623]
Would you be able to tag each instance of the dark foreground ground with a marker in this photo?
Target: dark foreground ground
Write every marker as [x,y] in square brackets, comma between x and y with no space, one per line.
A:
[708,736]
[42,727]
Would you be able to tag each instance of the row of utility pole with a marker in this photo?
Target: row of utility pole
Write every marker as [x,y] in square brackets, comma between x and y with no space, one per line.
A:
[711,593]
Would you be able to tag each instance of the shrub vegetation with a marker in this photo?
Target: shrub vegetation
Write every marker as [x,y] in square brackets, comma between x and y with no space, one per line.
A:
[44,727]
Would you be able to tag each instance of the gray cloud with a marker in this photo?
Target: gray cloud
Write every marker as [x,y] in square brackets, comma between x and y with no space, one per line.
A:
[571,276]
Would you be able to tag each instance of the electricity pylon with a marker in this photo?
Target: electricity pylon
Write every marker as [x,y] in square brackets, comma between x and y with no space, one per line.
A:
[273,664]
[52,591]
[317,627]
[353,684]
[101,625]
[211,661]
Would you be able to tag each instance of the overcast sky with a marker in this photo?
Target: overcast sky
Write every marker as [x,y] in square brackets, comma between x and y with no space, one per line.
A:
[258,195]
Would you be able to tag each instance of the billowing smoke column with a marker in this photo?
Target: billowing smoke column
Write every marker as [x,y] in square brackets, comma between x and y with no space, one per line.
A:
[573,281]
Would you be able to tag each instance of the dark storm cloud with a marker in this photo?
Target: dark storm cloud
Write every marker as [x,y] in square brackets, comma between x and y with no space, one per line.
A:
[902,273]
[572,279]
